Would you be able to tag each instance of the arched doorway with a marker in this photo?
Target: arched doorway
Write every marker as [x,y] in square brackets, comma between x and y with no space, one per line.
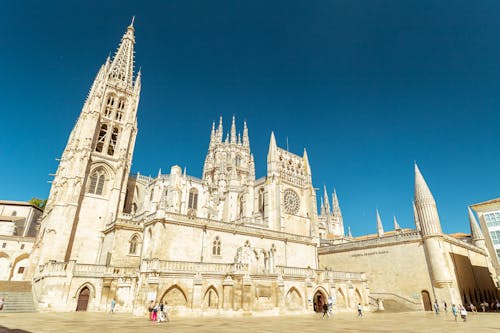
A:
[341,303]
[426,299]
[319,299]
[293,300]
[211,299]
[83,299]
[175,297]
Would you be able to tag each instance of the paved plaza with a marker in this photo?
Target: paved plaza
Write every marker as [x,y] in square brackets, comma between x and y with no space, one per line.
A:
[344,322]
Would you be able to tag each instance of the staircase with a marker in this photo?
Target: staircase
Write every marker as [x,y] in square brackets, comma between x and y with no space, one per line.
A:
[17,296]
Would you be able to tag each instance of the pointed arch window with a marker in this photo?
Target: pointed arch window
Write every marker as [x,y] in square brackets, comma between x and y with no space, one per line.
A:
[119,110]
[108,111]
[97,181]
[238,160]
[193,199]
[216,245]
[102,138]
[112,142]
[134,241]
[261,200]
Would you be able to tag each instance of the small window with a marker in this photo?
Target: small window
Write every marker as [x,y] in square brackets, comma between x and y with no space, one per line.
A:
[133,245]
[216,246]
[261,200]
[238,160]
[14,213]
[20,270]
[152,194]
[193,199]
[22,246]
[4,245]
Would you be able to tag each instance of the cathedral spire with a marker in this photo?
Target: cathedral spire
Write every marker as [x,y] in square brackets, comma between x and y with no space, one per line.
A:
[426,206]
[477,235]
[246,141]
[220,131]
[233,130]
[212,135]
[327,200]
[122,66]
[396,224]
[306,162]
[380,227]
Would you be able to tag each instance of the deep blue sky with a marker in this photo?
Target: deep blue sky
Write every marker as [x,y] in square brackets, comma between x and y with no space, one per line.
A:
[366,86]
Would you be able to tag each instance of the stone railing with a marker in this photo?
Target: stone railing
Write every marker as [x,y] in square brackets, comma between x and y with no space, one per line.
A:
[373,242]
[54,268]
[322,275]
[192,267]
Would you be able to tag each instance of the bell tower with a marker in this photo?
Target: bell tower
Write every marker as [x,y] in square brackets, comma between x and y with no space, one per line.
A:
[89,187]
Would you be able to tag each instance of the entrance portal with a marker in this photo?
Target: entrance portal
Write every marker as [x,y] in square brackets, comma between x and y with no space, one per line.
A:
[83,299]
[319,300]
[426,299]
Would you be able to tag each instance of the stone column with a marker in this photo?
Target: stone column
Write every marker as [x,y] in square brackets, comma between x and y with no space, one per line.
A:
[246,293]
[197,299]
[309,294]
[227,287]
[280,293]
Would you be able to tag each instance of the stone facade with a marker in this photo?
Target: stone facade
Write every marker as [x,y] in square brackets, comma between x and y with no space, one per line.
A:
[410,268]
[19,222]
[223,243]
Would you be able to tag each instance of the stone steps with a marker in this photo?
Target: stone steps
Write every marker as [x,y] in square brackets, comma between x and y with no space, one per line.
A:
[17,296]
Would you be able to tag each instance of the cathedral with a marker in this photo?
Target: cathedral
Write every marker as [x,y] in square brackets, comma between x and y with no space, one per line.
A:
[226,242]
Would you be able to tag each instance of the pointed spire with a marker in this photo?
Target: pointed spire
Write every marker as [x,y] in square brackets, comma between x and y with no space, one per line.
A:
[132,23]
[233,130]
[322,207]
[426,207]
[474,227]
[212,134]
[415,217]
[137,82]
[349,234]
[238,141]
[159,173]
[336,212]
[380,227]
[219,132]
[246,141]
[396,224]
[227,138]
[306,162]
[327,200]
[122,66]
[185,172]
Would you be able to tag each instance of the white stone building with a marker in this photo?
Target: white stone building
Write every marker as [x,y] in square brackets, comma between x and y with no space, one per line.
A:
[224,242]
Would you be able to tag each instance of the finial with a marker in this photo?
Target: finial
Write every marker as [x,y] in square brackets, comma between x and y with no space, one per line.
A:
[132,23]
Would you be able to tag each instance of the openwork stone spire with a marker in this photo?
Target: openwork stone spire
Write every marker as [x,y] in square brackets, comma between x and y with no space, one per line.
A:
[122,66]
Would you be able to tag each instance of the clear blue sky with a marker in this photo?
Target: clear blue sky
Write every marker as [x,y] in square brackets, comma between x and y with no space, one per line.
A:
[366,86]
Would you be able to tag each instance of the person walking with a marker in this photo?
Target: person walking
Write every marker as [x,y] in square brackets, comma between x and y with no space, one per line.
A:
[436,306]
[113,304]
[454,310]
[150,310]
[325,311]
[445,307]
[463,313]
[155,312]
[2,302]
[360,311]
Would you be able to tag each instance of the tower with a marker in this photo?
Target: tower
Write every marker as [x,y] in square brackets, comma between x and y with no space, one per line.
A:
[88,190]
[430,225]
[229,173]
[380,227]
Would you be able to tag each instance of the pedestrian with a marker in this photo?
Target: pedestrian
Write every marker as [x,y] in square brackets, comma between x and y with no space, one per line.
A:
[454,310]
[436,306]
[473,308]
[445,307]
[165,312]
[150,310]
[360,310]
[155,312]
[498,305]
[463,313]
[113,304]
[2,302]
[483,306]
[325,311]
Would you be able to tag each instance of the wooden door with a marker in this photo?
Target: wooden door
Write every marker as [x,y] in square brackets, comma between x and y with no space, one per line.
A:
[426,299]
[83,299]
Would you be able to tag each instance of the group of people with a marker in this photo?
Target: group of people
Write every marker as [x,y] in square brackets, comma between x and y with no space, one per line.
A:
[462,311]
[158,312]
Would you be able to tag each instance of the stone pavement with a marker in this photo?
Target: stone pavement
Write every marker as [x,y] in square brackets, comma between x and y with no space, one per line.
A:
[343,322]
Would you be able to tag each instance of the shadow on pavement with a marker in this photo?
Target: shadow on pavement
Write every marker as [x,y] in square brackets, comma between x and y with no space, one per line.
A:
[15,330]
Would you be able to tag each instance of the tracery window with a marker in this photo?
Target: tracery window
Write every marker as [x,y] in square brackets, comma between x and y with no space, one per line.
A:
[216,246]
[119,110]
[193,199]
[133,244]
[97,180]
[112,142]
[108,111]
[238,160]
[261,200]
[102,138]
